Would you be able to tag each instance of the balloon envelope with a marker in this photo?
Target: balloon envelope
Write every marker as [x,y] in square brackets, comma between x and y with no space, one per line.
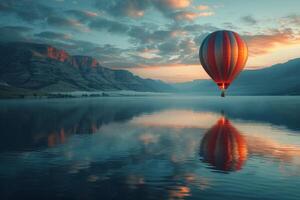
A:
[223,54]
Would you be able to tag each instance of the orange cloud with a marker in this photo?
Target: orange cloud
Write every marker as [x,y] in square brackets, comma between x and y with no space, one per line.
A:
[202,7]
[192,15]
[177,4]
[263,44]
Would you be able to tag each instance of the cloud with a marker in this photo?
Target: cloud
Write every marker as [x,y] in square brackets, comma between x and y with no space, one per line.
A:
[230,26]
[190,16]
[108,25]
[65,23]
[28,10]
[82,15]
[249,20]
[53,35]
[148,53]
[198,29]
[14,33]
[142,35]
[175,4]
[137,8]
[265,43]
[120,8]
[291,19]
[202,7]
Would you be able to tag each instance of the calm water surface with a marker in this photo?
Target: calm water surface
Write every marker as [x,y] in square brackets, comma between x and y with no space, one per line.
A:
[150,148]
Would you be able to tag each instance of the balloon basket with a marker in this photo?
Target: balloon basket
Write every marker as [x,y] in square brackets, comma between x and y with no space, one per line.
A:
[223,93]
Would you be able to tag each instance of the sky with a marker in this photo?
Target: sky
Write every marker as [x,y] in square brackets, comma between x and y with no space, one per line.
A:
[157,39]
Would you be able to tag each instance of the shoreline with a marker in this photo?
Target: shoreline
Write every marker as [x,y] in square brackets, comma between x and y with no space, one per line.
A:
[79,94]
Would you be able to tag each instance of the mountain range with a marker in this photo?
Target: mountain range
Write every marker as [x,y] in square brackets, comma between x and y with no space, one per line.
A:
[27,68]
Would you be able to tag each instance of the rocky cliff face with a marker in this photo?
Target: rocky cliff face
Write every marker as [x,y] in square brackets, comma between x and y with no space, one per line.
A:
[56,54]
[45,68]
[84,61]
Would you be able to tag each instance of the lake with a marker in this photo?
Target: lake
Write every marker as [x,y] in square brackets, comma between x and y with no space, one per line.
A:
[170,147]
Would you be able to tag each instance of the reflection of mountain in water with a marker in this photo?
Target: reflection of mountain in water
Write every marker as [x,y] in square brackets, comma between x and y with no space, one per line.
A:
[34,124]
[224,147]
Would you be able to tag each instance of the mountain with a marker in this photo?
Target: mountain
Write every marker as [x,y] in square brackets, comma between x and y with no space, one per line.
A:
[279,79]
[27,67]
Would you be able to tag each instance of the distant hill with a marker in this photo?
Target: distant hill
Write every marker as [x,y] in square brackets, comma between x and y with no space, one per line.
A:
[26,67]
[279,79]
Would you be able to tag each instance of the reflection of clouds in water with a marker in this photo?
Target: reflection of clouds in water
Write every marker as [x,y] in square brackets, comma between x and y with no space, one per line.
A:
[79,165]
[179,192]
[273,149]
[159,148]
[275,143]
[177,119]
[190,181]
[134,181]
[288,156]
[92,178]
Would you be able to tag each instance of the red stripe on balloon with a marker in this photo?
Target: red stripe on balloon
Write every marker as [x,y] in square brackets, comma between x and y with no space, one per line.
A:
[226,55]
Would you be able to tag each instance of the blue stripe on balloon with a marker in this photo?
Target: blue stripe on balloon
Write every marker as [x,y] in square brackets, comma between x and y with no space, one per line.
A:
[219,52]
[205,56]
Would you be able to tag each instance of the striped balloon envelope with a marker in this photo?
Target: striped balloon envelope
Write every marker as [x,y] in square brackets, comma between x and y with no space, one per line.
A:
[224,147]
[223,55]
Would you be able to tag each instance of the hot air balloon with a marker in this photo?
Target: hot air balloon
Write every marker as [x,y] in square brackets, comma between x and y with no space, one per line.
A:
[224,147]
[223,55]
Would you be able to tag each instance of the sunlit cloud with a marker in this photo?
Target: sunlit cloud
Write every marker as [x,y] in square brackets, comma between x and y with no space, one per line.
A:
[176,4]
[186,15]
[266,43]
[149,53]
[202,7]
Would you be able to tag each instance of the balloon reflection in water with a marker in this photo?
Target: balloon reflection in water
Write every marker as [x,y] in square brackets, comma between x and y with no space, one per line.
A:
[224,147]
